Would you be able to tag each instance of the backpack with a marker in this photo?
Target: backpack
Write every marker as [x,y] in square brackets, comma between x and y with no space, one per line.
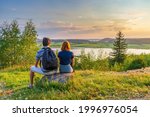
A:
[49,59]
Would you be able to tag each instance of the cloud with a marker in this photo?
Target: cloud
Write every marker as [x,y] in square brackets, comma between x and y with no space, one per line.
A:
[52,24]
[116,25]
[70,28]
[92,26]
[123,24]
[1,22]
[86,30]
[13,9]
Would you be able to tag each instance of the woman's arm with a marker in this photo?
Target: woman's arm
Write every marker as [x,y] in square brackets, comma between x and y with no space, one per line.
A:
[72,62]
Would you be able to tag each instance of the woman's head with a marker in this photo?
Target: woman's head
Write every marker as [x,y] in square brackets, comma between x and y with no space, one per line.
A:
[66,46]
[46,41]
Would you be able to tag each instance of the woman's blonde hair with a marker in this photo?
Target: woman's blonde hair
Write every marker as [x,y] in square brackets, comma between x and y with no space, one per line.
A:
[66,46]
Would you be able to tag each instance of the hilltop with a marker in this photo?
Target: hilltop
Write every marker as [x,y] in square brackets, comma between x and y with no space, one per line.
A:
[87,84]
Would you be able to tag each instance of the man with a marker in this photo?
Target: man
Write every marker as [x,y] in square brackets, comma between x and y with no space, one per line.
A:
[40,58]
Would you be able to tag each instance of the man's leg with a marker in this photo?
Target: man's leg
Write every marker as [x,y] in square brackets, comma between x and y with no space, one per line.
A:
[34,69]
[31,78]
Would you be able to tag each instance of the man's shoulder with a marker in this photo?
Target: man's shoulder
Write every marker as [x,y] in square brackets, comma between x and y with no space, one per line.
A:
[41,50]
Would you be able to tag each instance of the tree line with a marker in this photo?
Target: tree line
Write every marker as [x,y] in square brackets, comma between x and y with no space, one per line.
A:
[17,47]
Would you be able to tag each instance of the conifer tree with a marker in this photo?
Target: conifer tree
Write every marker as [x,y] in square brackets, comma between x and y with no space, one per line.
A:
[119,49]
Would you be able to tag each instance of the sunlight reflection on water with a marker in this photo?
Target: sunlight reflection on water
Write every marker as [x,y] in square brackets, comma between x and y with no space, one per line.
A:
[104,52]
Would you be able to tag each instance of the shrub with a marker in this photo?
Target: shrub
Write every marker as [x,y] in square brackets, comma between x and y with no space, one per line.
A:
[102,65]
[87,62]
[137,64]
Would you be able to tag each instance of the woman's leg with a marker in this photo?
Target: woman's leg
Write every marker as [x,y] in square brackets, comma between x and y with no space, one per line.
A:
[66,69]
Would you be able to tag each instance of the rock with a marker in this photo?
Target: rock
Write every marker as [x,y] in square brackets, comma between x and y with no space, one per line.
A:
[58,77]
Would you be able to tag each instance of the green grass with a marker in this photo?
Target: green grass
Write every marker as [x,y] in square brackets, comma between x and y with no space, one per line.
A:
[87,84]
[93,79]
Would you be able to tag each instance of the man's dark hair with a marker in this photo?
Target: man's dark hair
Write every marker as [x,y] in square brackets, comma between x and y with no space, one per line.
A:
[45,41]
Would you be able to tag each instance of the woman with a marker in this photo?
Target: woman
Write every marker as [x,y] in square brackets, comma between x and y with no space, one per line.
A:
[66,58]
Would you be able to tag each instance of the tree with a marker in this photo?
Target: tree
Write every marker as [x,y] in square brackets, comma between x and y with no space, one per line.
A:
[17,48]
[119,49]
[28,42]
[4,34]
[15,39]
[9,38]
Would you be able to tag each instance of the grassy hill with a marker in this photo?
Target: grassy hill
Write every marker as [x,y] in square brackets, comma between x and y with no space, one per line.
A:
[88,84]
[93,79]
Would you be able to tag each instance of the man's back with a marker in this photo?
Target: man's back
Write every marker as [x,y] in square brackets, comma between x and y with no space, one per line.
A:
[49,59]
[47,53]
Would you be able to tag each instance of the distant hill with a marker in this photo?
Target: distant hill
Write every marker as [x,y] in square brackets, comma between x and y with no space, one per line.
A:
[70,40]
[105,40]
[129,40]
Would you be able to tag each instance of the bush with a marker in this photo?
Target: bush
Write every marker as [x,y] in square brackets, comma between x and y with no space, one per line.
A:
[102,65]
[86,62]
[137,64]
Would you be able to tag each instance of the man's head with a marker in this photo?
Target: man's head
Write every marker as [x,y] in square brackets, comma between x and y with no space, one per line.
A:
[46,41]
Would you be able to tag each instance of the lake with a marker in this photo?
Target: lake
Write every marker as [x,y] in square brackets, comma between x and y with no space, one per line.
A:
[104,52]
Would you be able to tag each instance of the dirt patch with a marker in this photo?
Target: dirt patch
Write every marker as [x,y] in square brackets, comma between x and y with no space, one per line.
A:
[3,91]
[137,71]
[2,88]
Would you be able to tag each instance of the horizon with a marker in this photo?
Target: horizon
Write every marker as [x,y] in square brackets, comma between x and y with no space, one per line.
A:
[93,38]
[80,19]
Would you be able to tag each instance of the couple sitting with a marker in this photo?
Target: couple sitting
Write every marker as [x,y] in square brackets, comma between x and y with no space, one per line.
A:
[48,60]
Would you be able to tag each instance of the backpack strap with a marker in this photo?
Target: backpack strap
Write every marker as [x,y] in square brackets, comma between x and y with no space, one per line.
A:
[46,48]
[40,63]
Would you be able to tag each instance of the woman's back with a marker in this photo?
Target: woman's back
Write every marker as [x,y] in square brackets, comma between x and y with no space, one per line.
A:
[65,57]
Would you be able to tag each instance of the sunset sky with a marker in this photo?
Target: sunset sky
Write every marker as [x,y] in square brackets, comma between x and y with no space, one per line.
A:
[80,18]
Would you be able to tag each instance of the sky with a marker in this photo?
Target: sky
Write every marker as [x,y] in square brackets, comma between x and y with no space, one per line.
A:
[80,19]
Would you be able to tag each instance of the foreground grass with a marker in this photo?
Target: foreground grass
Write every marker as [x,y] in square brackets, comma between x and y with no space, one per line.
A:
[84,85]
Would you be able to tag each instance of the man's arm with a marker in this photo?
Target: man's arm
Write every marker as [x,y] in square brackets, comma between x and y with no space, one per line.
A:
[36,63]
[38,56]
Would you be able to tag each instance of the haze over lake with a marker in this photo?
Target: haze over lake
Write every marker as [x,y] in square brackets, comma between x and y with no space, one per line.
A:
[104,52]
